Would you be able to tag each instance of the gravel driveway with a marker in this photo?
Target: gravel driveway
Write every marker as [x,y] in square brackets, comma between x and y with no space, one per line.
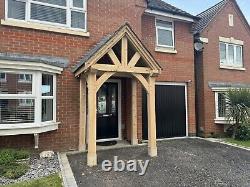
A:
[184,162]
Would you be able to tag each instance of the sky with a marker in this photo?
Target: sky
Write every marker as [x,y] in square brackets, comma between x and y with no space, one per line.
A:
[196,6]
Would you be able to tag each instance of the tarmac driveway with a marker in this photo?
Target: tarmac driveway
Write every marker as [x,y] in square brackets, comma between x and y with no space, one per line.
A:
[184,162]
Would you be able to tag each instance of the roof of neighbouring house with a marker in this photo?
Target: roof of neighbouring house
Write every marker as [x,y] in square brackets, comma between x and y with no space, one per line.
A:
[165,7]
[207,16]
[50,60]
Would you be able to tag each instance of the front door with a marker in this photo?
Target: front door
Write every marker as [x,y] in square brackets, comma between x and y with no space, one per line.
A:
[107,112]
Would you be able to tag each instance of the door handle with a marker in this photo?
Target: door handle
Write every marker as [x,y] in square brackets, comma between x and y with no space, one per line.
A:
[106,115]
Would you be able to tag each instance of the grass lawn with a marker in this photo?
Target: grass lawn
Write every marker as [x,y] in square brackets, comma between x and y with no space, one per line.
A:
[50,181]
[241,143]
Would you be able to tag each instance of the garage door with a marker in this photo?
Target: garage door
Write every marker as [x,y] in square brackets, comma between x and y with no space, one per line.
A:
[170,106]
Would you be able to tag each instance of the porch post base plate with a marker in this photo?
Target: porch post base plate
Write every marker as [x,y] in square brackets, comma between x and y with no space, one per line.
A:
[134,142]
[152,152]
[91,160]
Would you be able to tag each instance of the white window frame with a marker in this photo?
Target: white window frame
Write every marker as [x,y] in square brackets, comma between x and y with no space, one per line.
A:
[25,80]
[226,62]
[217,105]
[36,95]
[1,79]
[69,8]
[166,29]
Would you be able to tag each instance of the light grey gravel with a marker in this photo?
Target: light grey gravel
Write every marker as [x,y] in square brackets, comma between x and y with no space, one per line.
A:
[186,162]
[39,167]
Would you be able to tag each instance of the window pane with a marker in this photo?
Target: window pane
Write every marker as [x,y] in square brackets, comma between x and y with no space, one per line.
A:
[2,77]
[238,55]
[16,84]
[47,110]
[54,2]
[165,24]
[78,3]
[16,9]
[46,13]
[223,56]
[165,37]
[221,105]
[78,20]
[15,111]
[47,85]
[230,54]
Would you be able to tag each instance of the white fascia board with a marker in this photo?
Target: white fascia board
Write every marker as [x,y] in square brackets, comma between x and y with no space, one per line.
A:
[169,15]
[34,66]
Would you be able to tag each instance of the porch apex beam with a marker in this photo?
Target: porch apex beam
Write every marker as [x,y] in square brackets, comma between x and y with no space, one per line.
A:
[124,51]
[122,69]
[134,59]
[113,57]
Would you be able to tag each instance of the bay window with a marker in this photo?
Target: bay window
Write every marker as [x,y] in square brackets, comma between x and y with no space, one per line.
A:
[27,98]
[164,33]
[231,55]
[66,13]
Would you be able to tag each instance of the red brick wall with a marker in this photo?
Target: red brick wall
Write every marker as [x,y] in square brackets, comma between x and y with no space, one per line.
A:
[211,63]
[176,67]
[103,17]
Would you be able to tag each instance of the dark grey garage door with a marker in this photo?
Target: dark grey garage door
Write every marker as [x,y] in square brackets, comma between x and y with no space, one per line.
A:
[170,111]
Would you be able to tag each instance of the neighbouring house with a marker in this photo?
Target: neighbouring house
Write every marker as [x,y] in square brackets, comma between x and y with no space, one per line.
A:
[73,73]
[222,60]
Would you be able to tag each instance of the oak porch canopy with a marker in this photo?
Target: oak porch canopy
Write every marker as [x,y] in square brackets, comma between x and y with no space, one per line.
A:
[118,54]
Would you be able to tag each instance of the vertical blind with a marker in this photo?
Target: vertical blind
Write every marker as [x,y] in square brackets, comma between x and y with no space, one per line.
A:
[67,13]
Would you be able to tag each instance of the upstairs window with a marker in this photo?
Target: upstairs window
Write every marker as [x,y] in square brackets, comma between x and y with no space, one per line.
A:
[164,33]
[231,55]
[67,13]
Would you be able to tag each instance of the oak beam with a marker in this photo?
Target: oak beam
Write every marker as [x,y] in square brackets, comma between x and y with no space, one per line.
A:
[103,79]
[92,156]
[142,80]
[134,139]
[82,117]
[152,148]
[134,59]
[113,57]
[124,52]
[123,69]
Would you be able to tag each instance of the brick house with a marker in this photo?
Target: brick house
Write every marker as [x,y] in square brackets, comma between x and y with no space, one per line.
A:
[79,72]
[222,64]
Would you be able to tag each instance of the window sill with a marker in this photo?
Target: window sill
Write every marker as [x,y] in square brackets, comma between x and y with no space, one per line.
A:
[165,50]
[222,121]
[44,27]
[233,68]
[14,129]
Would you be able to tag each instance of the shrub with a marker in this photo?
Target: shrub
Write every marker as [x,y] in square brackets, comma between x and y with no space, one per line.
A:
[6,156]
[9,167]
[15,170]
[243,133]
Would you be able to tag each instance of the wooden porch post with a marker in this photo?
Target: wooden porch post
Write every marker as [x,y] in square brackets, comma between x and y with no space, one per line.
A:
[82,120]
[134,140]
[152,149]
[91,157]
